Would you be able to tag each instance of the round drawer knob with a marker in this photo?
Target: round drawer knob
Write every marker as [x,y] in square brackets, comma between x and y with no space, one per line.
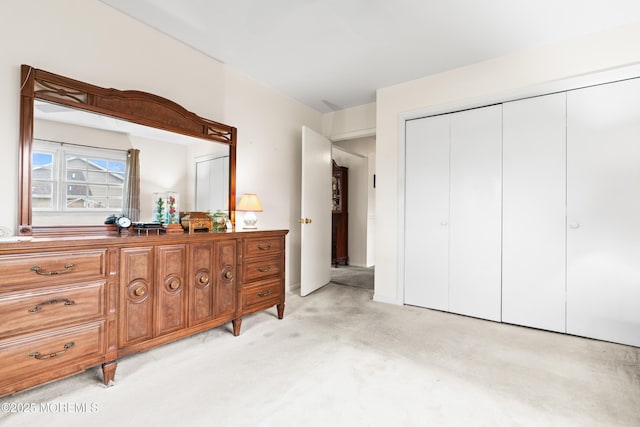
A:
[139,291]
[175,284]
[228,275]
[204,279]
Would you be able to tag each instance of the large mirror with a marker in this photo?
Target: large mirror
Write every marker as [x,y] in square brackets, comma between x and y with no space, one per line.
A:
[79,143]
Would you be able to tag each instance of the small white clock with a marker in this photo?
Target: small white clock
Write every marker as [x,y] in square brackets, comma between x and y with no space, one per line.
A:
[123,222]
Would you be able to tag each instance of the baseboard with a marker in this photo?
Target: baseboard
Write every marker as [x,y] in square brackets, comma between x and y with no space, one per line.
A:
[295,287]
[385,299]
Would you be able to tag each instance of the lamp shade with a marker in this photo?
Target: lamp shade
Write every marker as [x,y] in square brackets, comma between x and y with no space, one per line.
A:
[249,203]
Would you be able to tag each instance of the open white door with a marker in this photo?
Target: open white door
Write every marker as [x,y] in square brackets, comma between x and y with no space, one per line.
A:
[315,211]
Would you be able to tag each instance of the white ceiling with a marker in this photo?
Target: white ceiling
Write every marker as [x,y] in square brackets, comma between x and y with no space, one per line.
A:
[334,54]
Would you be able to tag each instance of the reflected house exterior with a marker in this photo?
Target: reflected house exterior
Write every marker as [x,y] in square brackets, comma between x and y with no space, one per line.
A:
[89,184]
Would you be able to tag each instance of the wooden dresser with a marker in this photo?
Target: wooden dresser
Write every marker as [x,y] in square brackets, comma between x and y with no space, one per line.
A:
[261,284]
[68,304]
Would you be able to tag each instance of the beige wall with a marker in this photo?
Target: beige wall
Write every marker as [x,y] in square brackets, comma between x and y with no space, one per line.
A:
[89,41]
[482,83]
[355,122]
[269,156]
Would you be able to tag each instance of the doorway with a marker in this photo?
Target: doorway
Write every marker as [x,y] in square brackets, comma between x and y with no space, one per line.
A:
[315,215]
[358,155]
[357,277]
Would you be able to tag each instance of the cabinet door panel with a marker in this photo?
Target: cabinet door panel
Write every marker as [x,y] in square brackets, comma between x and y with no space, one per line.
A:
[170,286]
[201,289]
[426,265]
[135,315]
[475,212]
[534,209]
[603,211]
[225,273]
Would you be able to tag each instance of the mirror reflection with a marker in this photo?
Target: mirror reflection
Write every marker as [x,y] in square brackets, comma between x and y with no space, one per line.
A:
[79,167]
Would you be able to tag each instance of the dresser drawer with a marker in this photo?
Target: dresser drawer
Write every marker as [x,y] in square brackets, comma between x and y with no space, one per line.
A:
[254,248]
[27,271]
[261,268]
[61,349]
[28,312]
[261,295]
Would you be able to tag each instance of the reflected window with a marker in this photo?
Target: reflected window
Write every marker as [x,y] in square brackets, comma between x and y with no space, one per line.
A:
[73,178]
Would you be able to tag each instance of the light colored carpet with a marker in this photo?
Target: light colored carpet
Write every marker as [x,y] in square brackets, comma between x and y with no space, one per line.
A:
[340,359]
[360,277]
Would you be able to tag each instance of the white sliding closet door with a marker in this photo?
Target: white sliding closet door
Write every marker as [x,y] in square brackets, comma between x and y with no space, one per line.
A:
[534,209]
[603,212]
[427,213]
[212,184]
[475,212]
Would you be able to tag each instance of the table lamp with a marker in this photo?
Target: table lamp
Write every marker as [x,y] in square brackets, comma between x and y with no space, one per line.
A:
[249,203]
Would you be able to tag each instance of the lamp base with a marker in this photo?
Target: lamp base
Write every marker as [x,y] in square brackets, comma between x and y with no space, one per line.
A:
[250,221]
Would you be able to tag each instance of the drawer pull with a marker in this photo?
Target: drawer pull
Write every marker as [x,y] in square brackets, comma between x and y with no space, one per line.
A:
[228,275]
[264,269]
[204,279]
[139,291]
[37,355]
[265,293]
[264,247]
[175,284]
[38,307]
[38,270]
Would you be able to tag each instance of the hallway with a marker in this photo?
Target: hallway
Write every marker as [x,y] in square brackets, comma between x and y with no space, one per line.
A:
[359,277]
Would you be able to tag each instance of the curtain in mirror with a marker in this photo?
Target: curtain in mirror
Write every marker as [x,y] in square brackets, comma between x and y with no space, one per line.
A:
[131,202]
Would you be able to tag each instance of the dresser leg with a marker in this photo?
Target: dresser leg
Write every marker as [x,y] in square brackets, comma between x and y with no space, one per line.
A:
[109,372]
[280,311]
[236,326]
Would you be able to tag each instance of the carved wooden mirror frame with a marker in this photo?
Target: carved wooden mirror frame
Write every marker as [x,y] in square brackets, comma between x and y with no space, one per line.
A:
[134,106]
